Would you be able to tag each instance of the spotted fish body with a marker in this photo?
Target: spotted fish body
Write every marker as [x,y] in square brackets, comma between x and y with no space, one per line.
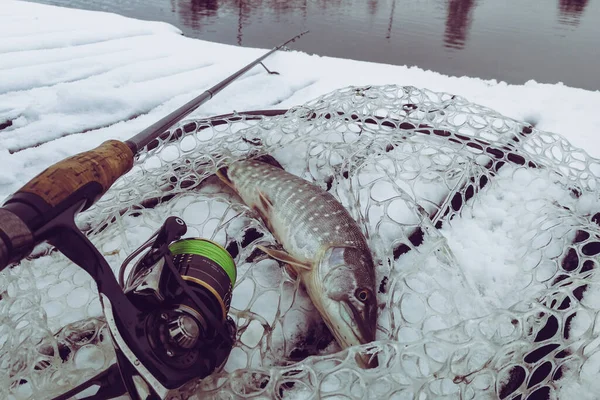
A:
[322,242]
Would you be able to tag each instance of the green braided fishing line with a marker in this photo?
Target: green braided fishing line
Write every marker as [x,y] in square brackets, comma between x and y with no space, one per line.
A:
[209,250]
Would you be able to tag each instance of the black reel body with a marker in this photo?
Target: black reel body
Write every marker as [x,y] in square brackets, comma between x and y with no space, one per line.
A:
[182,334]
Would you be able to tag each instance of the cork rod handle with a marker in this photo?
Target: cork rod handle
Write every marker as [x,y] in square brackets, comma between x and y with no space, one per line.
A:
[104,165]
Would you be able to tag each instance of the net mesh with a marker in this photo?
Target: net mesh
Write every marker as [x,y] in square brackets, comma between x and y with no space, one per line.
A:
[484,231]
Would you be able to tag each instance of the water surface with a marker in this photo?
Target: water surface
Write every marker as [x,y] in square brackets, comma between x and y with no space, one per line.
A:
[510,40]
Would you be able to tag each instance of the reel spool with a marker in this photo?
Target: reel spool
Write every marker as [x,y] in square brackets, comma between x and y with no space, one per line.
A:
[209,268]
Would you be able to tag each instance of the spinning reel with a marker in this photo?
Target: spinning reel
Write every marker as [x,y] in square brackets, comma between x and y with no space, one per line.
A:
[169,320]
[185,308]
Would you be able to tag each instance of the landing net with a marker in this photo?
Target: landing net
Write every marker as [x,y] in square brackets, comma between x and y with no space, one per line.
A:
[484,231]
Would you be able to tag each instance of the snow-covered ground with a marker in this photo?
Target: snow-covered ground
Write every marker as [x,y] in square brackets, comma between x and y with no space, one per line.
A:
[66,74]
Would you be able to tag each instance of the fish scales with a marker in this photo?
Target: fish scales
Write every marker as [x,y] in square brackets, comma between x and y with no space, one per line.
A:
[305,216]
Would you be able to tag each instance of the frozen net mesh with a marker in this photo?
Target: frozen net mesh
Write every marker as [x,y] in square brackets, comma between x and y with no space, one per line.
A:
[484,231]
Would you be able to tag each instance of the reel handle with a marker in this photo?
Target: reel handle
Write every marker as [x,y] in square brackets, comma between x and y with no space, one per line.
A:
[82,178]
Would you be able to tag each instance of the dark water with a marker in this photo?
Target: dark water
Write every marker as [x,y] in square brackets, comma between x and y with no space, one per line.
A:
[511,40]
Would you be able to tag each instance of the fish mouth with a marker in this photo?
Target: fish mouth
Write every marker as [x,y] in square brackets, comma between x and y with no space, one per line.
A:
[364,323]
[362,326]
[367,361]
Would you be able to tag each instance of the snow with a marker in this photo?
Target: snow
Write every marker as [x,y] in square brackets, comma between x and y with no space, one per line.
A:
[106,76]
[507,217]
[67,87]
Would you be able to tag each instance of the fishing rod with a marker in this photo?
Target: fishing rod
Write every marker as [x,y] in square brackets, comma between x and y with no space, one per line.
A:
[168,320]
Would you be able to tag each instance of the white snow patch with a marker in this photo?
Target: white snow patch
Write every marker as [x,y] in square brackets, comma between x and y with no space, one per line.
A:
[493,242]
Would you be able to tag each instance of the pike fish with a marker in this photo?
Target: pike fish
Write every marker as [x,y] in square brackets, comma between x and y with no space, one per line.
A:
[323,245]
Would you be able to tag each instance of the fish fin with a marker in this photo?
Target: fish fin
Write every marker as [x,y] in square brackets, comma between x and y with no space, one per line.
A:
[265,203]
[291,271]
[222,174]
[269,159]
[286,258]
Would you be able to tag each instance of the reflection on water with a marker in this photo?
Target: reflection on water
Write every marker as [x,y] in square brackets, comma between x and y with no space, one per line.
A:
[197,14]
[194,12]
[373,4]
[391,23]
[510,40]
[200,14]
[571,11]
[458,22]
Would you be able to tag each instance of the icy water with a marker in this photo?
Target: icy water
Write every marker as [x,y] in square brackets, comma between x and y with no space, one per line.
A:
[509,40]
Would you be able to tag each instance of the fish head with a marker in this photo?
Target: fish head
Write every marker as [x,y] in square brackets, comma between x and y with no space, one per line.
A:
[349,306]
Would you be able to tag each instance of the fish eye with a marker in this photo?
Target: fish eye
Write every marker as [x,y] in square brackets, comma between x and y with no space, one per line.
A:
[362,295]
